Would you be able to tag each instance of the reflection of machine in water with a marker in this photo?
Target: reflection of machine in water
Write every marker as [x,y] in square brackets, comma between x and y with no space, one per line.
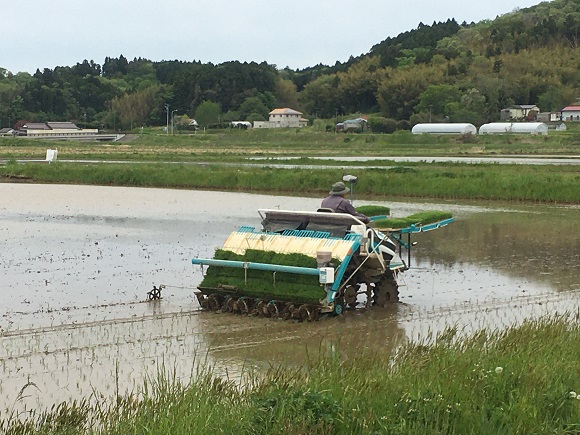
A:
[304,264]
[262,342]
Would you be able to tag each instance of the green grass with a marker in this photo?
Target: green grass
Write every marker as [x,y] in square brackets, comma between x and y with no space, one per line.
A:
[515,381]
[541,183]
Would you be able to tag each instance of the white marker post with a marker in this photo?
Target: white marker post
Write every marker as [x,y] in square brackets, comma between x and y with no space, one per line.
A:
[51,155]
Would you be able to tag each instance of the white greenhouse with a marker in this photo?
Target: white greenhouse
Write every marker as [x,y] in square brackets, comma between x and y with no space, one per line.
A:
[444,128]
[514,127]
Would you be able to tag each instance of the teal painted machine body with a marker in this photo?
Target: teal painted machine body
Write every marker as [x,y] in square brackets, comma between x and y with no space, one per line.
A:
[256,266]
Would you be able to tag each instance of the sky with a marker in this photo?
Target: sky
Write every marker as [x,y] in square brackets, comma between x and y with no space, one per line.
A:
[295,34]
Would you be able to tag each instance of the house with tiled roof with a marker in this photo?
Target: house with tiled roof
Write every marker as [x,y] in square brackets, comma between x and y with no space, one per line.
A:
[62,125]
[284,117]
[60,130]
[34,126]
[571,113]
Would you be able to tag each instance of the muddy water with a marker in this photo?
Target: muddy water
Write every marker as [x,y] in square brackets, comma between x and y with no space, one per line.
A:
[77,263]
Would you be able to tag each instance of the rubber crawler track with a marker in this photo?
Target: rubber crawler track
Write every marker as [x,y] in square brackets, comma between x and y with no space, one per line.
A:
[258,307]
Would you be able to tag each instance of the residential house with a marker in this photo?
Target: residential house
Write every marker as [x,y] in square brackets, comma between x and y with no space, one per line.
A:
[520,112]
[6,131]
[571,113]
[285,117]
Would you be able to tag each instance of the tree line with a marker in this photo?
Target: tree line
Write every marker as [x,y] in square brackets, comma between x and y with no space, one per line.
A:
[443,71]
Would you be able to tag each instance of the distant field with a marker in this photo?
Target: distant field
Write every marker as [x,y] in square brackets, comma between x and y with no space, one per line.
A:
[220,157]
[234,144]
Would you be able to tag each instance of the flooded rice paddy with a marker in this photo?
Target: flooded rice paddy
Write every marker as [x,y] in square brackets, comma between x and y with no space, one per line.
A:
[77,263]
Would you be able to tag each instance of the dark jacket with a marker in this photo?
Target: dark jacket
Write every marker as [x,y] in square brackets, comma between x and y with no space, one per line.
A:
[341,205]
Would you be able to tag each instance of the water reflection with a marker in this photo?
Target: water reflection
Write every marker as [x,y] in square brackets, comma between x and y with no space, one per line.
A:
[280,342]
[535,244]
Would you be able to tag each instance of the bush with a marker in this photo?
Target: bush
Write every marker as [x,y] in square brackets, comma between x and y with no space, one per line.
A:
[382,125]
[403,124]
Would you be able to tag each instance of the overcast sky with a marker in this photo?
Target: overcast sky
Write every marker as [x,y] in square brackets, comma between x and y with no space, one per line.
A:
[297,34]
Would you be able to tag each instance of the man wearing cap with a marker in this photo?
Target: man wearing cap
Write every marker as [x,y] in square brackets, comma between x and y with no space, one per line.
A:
[338,204]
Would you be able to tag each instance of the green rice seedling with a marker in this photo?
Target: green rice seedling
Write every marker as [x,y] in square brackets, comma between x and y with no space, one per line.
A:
[265,284]
[417,219]
[373,210]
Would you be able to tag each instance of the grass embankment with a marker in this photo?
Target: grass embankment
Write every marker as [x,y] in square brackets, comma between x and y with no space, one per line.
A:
[523,380]
[263,284]
[541,183]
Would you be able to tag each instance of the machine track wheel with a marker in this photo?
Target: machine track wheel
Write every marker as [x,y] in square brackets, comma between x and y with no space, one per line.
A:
[288,311]
[386,291]
[229,305]
[244,305]
[314,314]
[304,312]
[259,308]
[271,310]
[214,302]
[349,295]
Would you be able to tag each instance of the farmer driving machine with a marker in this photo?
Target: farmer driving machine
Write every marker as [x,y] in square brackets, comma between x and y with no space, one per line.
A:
[301,265]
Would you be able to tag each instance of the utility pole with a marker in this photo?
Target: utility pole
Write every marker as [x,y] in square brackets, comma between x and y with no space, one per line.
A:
[167,111]
[172,119]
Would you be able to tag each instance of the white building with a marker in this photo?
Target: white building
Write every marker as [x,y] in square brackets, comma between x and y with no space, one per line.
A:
[520,112]
[444,128]
[571,113]
[514,127]
[280,118]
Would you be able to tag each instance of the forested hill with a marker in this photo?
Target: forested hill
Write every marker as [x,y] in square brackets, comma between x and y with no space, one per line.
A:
[460,72]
